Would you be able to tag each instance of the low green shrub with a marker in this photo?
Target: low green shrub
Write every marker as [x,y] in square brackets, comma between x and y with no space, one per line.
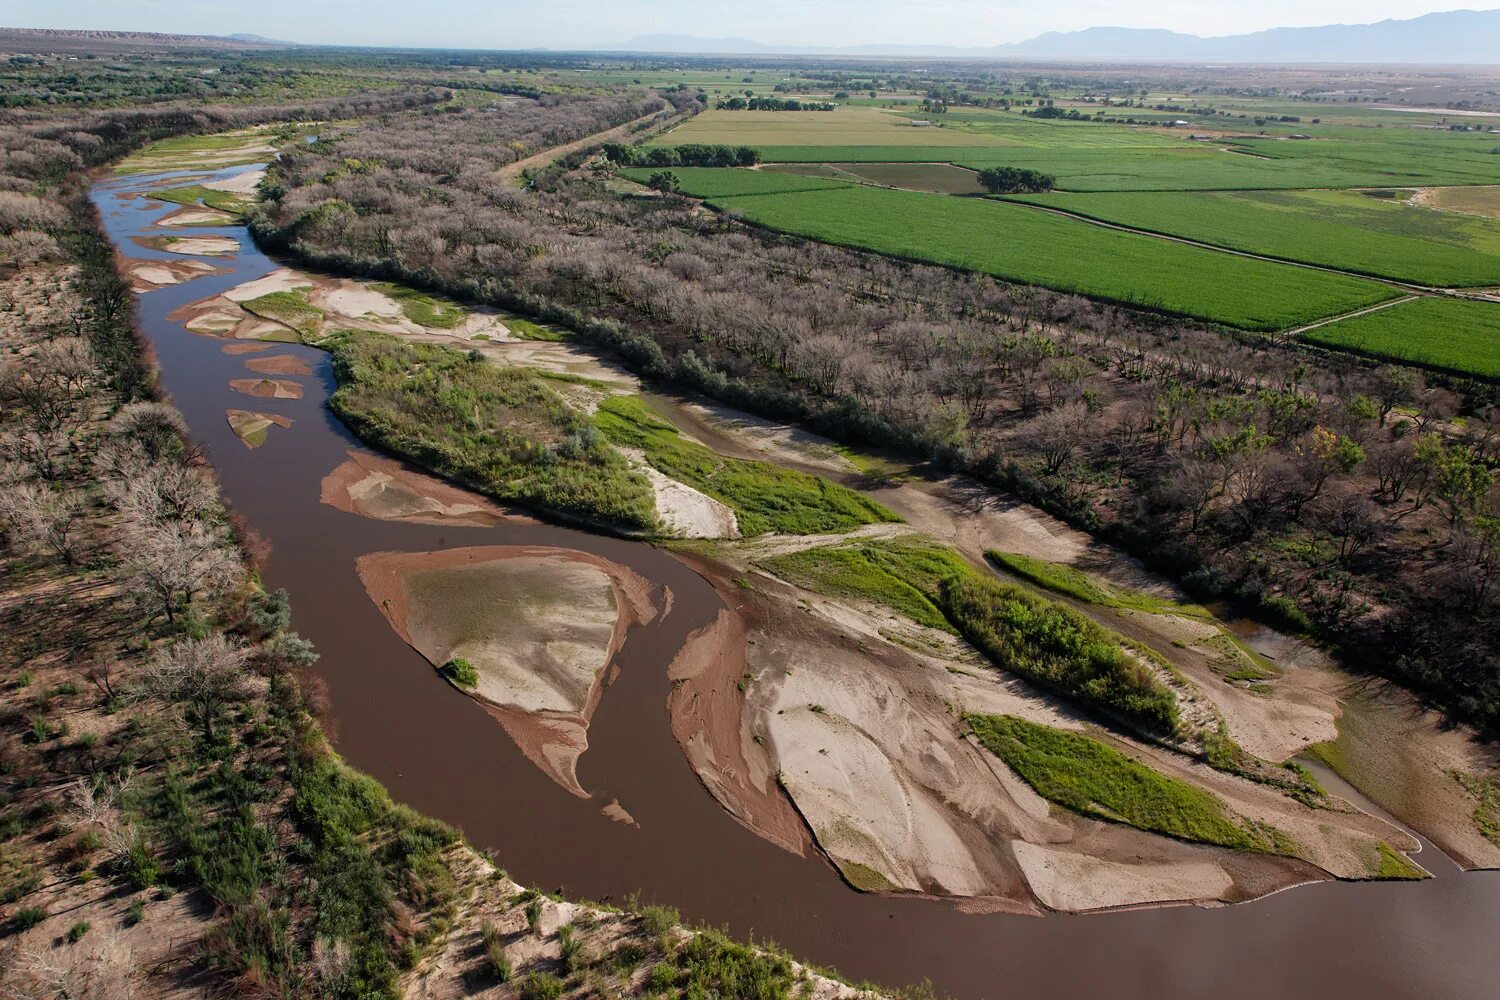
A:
[1091,778]
[461,672]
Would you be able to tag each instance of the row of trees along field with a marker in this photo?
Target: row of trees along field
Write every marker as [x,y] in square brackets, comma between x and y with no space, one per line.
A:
[1328,494]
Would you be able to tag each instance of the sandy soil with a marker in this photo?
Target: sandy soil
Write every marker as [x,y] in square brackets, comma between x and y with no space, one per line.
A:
[279,364]
[708,719]
[684,511]
[210,246]
[375,486]
[197,216]
[252,427]
[539,624]
[1066,880]
[244,183]
[457,967]
[1403,757]
[149,275]
[246,348]
[267,388]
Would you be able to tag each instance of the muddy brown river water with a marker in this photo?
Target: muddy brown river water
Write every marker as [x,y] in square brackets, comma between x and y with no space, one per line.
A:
[391,716]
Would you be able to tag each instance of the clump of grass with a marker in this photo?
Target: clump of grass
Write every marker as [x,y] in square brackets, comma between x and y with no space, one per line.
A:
[423,309]
[1395,867]
[533,914]
[501,430]
[136,913]
[711,965]
[77,931]
[461,672]
[1088,777]
[541,986]
[289,308]
[571,949]
[27,917]
[764,497]
[494,953]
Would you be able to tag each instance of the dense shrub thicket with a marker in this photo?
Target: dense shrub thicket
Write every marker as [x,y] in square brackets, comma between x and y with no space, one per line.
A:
[502,430]
[687,155]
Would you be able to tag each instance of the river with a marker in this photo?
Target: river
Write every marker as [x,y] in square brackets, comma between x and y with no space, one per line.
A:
[391,716]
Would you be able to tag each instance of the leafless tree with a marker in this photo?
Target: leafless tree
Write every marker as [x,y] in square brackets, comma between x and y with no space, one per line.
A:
[203,675]
[173,564]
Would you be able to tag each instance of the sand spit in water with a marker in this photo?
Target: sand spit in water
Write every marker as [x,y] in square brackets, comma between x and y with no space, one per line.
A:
[714,731]
[246,348]
[197,215]
[149,275]
[373,486]
[267,388]
[539,624]
[279,364]
[192,246]
[252,427]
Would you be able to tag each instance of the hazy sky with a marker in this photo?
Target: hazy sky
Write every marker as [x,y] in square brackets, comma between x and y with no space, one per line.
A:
[588,23]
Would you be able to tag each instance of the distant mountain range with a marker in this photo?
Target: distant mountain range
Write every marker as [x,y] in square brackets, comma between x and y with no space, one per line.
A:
[67,39]
[1458,36]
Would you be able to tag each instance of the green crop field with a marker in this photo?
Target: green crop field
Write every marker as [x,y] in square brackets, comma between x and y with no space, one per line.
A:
[1349,230]
[1450,334]
[845,126]
[1021,244]
[724,182]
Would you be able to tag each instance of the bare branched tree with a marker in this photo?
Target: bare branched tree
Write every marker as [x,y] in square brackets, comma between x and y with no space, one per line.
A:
[202,675]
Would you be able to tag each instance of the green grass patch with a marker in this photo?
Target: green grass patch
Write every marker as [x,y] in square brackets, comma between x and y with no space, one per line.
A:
[764,497]
[197,194]
[461,672]
[1019,243]
[1343,229]
[1088,777]
[528,330]
[1453,335]
[289,308]
[503,431]
[903,574]
[1394,866]
[1070,582]
[421,308]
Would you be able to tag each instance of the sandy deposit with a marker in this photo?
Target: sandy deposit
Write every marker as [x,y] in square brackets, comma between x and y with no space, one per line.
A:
[252,427]
[243,183]
[1066,880]
[149,275]
[374,486]
[279,364]
[196,246]
[267,388]
[538,624]
[197,215]
[684,511]
[246,348]
[1404,757]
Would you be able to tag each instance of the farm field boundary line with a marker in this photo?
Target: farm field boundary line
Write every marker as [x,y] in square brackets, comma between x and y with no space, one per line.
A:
[1411,286]
[1298,331]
